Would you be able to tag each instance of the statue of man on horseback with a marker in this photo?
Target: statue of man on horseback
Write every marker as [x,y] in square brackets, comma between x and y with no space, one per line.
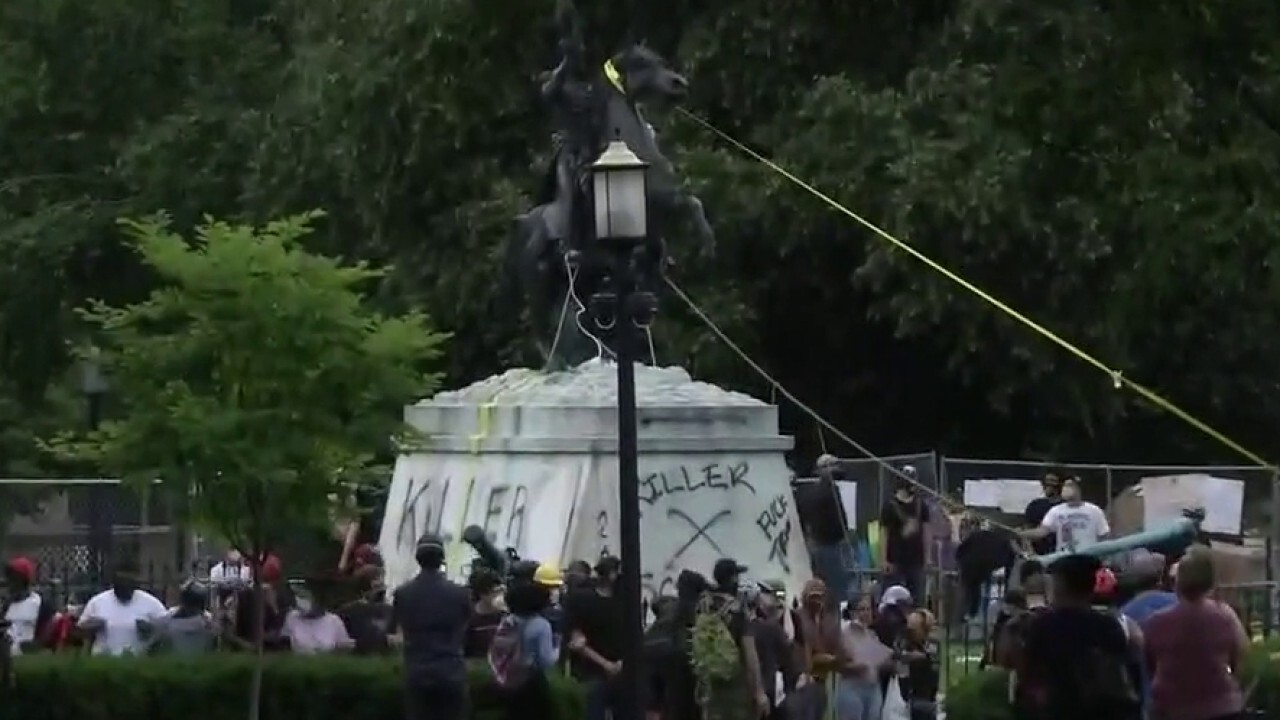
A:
[551,252]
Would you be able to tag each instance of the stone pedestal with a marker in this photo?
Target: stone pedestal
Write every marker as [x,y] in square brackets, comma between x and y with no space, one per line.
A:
[532,458]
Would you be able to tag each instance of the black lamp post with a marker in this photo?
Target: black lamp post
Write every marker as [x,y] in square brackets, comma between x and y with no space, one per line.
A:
[621,229]
[94,385]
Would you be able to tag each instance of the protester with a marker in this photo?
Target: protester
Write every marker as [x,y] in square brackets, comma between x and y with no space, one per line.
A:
[577,575]
[188,629]
[1074,523]
[524,650]
[1195,649]
[723,637]
[25,615]
[311,628]
[276,602]
[678,679]
[117,619]
[1075,661]
[594,624]
[920,673]
[982,551]
[860,697]
[773,648]
[368,616]
[904,520]
[825,527]
[660,649]
[490,606]
[431,613]
[230,574]
[1038,508]
[1147,577]
[361,523]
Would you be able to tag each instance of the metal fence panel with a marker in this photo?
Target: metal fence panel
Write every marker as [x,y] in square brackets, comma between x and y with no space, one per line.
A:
[74,530]
[876,483]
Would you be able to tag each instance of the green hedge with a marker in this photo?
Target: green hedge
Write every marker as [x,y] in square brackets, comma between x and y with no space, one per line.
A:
[216,687]
[984,695]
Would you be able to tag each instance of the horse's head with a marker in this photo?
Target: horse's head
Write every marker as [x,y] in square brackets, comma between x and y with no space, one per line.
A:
[645,76]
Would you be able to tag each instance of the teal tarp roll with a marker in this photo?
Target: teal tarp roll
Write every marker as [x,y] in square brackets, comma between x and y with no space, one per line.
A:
[1168,540]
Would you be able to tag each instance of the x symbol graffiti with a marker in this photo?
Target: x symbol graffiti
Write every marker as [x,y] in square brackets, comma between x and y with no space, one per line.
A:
[699,531]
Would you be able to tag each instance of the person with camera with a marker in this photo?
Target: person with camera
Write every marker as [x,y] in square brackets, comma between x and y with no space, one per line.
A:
[429,616]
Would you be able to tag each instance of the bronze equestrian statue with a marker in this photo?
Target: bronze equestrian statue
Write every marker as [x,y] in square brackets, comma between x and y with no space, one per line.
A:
[551,255]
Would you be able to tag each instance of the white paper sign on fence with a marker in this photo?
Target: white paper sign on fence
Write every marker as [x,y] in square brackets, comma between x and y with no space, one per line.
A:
[849,501]
[981,493]
[1164,499]
[1009,495]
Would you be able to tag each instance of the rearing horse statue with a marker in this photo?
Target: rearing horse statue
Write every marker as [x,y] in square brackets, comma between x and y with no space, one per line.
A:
[593,108]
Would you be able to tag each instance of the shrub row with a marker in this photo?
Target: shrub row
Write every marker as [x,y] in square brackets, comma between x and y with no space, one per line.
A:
[216,687]
[984,695]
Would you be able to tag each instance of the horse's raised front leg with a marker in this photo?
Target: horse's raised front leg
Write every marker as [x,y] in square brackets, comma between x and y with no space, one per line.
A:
[693,207]
[686,204]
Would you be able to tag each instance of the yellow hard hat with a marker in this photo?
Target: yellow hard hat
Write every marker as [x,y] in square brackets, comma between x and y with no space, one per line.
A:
[548,575]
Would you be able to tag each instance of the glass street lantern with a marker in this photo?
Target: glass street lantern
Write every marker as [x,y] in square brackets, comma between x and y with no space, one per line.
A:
[618,183]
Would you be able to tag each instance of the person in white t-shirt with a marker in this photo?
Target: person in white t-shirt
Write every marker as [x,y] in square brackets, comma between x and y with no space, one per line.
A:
[1075,523]
[233,572]
[119,620]
[24,614]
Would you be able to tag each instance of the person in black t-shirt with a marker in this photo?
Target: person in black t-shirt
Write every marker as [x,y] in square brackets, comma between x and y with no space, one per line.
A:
[825,528]
[904,520]
[487,593]
[1038,508]
[594,623]
[368,617]
[1075,659]
[429,616]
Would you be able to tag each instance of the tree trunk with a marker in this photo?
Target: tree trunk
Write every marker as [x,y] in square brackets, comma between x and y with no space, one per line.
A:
[259,633]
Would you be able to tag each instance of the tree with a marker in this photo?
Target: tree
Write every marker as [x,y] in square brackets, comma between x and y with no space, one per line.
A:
[1108,168]
[254,380]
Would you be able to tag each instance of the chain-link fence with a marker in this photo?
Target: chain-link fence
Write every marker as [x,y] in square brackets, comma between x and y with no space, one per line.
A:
[1103,484]
[876,482]
[75,530]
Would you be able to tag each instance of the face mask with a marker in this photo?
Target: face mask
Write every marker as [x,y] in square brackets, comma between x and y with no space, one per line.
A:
[305,606]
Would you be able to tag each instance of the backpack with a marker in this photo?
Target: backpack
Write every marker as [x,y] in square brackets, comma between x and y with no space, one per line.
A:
[1105,682]
[713,652]
[1010,638]
[507,658]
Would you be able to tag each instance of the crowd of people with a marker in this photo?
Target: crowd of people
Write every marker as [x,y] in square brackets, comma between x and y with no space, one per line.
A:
[1079,640]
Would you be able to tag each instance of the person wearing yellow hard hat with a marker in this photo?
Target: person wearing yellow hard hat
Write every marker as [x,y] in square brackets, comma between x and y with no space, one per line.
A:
[548,576]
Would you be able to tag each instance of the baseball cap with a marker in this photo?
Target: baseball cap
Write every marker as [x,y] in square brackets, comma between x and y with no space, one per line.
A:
[430,541]
[608,565]
[22,567]
[727,569]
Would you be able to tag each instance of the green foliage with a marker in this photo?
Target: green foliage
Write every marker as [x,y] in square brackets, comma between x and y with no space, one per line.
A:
[712,650]
[1107,168]
[984,695]
[254,380]
[294,688]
